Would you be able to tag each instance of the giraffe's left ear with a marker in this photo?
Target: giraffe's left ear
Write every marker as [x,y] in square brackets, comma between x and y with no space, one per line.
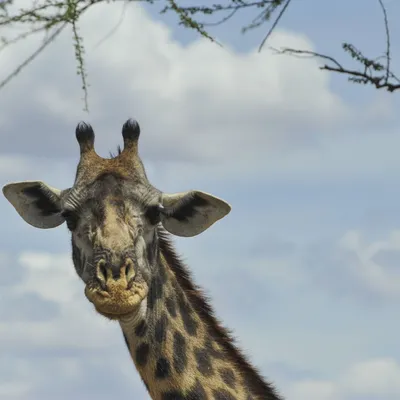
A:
[37,203]
[190,213]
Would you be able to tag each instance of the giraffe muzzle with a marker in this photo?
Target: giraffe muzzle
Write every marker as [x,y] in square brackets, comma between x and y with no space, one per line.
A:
[110,275]
[116,291]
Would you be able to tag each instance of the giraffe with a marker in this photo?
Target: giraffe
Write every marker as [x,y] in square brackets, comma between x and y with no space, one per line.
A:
[121,229]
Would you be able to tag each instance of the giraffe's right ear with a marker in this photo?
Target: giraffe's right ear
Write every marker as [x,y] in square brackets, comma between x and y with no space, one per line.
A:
[37,203]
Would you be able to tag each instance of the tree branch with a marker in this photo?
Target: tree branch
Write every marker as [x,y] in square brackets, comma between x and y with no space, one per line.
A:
[385,19]
[371,67]
[365,77]
[29,59]
[274,25]
[53,15]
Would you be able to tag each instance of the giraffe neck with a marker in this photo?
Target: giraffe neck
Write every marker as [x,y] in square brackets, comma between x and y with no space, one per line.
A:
[179,348]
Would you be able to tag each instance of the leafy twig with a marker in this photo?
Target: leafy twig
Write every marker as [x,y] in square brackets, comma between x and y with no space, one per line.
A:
[28,60]
[365,77]
[79,51]
[189,22]
[274,25]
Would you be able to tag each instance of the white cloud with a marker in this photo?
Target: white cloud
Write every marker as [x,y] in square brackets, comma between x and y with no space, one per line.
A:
[15,389]
[376,276]
[356,265]
[74,345]
[377,379]
[226,114]
[195,102]
[52,278]
[380,377]
[309,389]
[238,114]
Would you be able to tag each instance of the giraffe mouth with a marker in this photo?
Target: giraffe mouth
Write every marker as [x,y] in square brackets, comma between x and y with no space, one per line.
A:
[118,300]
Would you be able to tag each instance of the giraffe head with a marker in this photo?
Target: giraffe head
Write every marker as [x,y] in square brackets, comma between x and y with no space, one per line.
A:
[113,214]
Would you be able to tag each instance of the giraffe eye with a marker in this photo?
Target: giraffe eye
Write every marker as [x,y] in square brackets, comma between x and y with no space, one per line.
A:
[71,218]
[152,214]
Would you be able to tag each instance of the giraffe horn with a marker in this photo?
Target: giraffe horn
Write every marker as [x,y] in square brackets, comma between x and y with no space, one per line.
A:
[130,133]
[85,137]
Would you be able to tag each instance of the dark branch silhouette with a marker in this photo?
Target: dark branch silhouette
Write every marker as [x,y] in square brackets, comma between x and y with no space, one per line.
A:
[372,72]
[51,17]
[388,81]
[274,25]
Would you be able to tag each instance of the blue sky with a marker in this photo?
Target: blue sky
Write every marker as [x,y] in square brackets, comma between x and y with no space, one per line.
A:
[305,269]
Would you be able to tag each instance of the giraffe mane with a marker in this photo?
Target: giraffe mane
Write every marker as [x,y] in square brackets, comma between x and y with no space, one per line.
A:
[201,304]
[117,153]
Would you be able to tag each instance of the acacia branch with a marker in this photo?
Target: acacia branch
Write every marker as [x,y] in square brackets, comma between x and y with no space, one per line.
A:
[274,25]
[29,59]
[222,20]
[364,77]
[372,68]
[51,16]
[385,20]
[48,15]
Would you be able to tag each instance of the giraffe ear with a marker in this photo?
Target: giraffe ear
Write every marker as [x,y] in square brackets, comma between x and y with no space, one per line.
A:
[37,203]
[190,213]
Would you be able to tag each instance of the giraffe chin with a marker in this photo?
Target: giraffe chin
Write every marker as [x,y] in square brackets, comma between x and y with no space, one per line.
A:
[117,301]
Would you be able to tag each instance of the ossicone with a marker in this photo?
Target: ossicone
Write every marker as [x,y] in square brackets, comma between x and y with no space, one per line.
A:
[85,136]
[130,133]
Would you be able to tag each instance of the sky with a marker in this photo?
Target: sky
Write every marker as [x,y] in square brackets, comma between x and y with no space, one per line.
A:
[305,269]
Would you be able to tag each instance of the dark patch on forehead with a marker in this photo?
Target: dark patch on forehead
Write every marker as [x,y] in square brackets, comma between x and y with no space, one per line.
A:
[111,178]
[116,190]
[108,188]
[99,211]
[107,184]
[110,184]
[118,204]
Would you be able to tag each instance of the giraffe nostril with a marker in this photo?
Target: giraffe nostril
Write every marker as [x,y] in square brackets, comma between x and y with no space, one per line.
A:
[101,274]
[129,272]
